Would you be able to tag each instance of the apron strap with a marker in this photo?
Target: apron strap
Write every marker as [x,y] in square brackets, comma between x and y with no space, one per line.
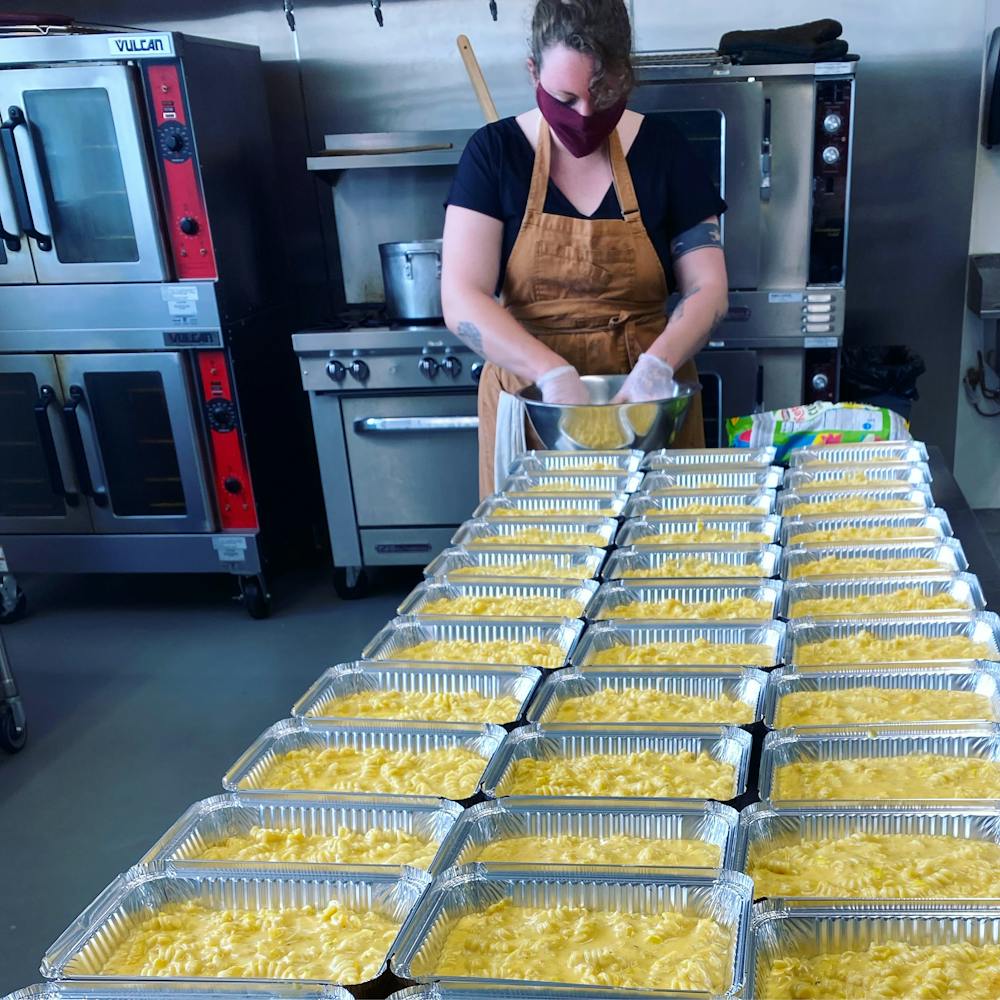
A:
[624,187]
[540,171]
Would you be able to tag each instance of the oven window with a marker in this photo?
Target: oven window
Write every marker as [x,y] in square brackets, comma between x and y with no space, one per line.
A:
[706,131]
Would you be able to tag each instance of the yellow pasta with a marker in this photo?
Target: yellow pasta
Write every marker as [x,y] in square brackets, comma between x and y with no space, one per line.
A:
[521,512]
[663,950]
[706,484]
[864,705]
[862,533]
[452,772]
[903,599]
[377,846]
[703,536]
[698,650]
[507,606]
[745,608]
[704,507]
[539,536]
[644,774]
[889,970]
[650,705]
[848,504]
[536,652]
[911,776]
[568,485]
[879,865]
[542,568]
[864,647]
[335,944]
[435,706]
[836,482]
[618,849]
[685,567]
[838,565]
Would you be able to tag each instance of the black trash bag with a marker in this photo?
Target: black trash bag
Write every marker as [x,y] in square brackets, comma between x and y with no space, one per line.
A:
[881,376]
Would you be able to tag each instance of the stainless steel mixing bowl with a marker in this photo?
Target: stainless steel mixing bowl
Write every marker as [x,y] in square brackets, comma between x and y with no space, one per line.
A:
[603,424]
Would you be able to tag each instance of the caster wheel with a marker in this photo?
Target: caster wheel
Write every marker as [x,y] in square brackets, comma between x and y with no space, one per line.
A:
[350,582]
[256,598]
[12,737]
[13,607]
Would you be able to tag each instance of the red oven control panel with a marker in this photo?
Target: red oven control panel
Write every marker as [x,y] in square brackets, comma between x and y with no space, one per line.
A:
[230,474]
[184,202]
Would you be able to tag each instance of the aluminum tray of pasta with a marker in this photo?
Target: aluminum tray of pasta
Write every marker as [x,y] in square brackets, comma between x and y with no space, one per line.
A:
[843,949]
[482,599]
[518,641]
[670,932]
[713,478]
[641,531]
[604,832]
[861,453]
[486,991]
[819,479]
[278,832]
[123,934]
[390,689]
[882,695]
[876,559]
[647,696]
[856,500]
[695,503]
[870,853]
[879,766]
[677,763]
[746,562]
[592,532]
[894,639]
[601,484]
[686,600]
[166,990]
[737,644]
[901,526]
[459,565]
[686,458]
[623,462]
[895,595]
[363,758]
[499,507]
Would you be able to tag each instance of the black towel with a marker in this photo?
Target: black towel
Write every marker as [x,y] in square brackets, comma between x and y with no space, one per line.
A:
[815,41]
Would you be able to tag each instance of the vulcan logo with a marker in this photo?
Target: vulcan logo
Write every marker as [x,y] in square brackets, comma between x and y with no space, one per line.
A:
[191,338]
[141,45]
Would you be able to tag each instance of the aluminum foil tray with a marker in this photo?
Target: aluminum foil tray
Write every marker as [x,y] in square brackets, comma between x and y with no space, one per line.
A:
[166,989]
[761,561]
[763,829]
[290,734]
[983,626]
[789,746]
[418,677]
[724,743]
[527,508]
[622,461]
[962,587]
[783,928]
[715,478]
[485,533]
[725,896]
[466,990]
[578,564]
[602,484]
[663,506]
[889,472]
[407,630]
[744,685]
[211,820]
[637,531]
[915,497]
[974,680]
[140,891]
[947,553]
[843,454]
[503,819]
[617,593]
[686,458]
[625,634]
[433,590]
[935,520]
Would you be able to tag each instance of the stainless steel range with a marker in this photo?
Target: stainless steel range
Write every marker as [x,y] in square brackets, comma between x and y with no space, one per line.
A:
[394,416]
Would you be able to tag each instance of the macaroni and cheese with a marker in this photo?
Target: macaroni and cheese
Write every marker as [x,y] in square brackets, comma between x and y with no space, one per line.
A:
[617,849]
[683,567]
[864,705]
[864,647]
[651,705]
[903,599]
[506,606]
[539,536]
[530,651]
[698,650]
[434,706]
[839,565]
[730,607]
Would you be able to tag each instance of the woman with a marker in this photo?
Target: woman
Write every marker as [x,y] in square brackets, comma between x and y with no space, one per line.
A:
[575,212]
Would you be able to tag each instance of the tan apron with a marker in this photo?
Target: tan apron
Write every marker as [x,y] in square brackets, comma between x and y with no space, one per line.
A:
[591,289]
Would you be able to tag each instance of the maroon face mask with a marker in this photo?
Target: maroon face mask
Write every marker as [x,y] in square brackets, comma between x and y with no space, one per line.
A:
[580,134]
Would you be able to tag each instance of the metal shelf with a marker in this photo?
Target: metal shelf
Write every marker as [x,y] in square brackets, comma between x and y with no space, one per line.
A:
[371,150]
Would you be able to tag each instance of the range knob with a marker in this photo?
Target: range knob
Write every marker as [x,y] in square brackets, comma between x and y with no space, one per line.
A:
[821,382]
[428,367]
[174,142]
[336,370]
[188,225]
[832,123]
[452,366]
[360,370]
[232,485]
[831,155]
[476,371]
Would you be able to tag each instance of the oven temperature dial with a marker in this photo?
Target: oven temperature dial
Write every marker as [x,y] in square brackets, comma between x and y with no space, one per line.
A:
[174,141]
[359,369]
[832,123]
[831,155]
[428,367]
[221,414]
[476,371]
[452,366]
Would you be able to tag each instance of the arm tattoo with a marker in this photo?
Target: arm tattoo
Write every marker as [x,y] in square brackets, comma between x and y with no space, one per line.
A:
[678,310]
[705,234]
[469,334]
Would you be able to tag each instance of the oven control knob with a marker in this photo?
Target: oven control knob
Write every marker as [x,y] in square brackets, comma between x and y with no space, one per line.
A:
[359,369]
[821,382]
[476,371]
[831,155]
[336,370]
[428,367]
[452,366]
[221,415]
[832,123]
[188,225]
[232,485]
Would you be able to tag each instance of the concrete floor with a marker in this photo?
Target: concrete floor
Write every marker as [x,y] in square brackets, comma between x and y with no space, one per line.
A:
[140,692]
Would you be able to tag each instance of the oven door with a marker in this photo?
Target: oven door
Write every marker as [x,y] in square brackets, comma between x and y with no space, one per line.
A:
[77,165]
[134,424]
[16,267]
[725,123]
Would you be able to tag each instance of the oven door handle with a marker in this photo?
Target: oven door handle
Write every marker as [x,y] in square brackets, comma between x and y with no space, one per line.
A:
[75,432]
[414,425]
[29,192]
[8,209]
[46,397]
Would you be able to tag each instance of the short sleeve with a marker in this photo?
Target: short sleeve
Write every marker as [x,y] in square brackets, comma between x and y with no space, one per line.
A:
[477,178]
[691,194]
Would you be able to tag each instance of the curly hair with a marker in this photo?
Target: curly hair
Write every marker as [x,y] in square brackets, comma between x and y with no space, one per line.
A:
[598,28]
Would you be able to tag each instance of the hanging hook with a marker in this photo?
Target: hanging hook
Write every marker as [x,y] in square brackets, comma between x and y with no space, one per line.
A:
[493,9]
[377,8]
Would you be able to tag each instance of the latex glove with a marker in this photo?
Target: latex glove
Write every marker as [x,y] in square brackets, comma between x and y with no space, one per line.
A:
[651,378]
[562,384]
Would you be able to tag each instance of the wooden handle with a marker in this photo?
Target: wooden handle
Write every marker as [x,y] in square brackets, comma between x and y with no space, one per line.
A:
[477,79]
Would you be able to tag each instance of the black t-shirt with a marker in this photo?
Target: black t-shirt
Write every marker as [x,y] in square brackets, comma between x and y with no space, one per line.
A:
[672,185]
